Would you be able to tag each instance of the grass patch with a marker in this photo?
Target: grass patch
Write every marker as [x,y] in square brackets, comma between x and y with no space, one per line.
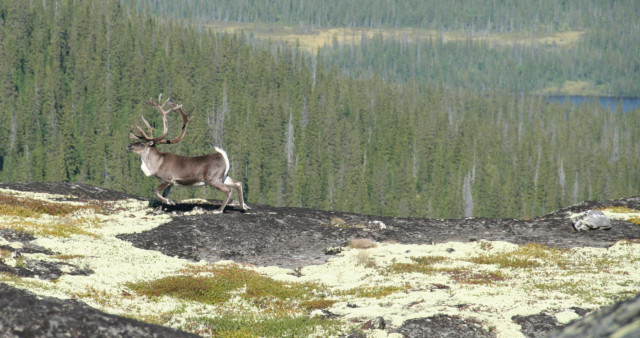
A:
[311,39]
[420,264]
[580,289]
[364,258]
[215,285]
[373,291]
[585,88]
[29,207]
[530,256]
[99,296]
[64,227]
[620,210]
[282,306]
[228,325]
[426,266]
[635,219]
[469,276]
[4,254]
[362,243]
[66,257]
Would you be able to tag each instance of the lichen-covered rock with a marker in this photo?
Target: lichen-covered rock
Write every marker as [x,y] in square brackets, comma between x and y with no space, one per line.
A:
[591,220]
[443,326]
[619,320]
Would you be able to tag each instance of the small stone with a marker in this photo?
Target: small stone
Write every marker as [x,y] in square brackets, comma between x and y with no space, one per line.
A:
[590,220]
[375,324]
[566,317]
[332,250]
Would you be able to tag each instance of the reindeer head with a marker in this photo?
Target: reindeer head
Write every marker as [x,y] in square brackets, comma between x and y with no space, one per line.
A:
[145,142]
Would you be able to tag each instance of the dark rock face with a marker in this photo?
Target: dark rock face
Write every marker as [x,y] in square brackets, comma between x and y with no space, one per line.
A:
[295,237]
[620,320]
[443,326]
[537,325]
[23,314]
[540,325]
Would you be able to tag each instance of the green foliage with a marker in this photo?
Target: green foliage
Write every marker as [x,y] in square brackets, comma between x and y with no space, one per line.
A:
[248,326]
[519,46]
[477,15]
[63,227]
[534,255]
[425,265]
[420,264]
[529,256]
[219,283]
[286,304]
[374,291]
[297,130]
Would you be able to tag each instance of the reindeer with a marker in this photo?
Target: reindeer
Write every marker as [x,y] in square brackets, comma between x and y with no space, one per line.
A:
[172,169]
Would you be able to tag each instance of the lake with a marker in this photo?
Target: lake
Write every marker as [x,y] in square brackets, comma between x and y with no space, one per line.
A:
[607,102]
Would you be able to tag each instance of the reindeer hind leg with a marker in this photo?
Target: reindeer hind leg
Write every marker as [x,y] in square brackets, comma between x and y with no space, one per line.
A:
[230,182]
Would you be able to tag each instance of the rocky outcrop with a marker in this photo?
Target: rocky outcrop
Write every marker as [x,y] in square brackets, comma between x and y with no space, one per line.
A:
[23,314]
[619,320]
[296,237]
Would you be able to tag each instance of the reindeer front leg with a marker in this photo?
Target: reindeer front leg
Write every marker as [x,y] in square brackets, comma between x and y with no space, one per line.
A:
[161,187]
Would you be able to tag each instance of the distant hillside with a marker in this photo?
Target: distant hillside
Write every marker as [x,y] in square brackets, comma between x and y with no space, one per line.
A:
[516,47]
[298,133]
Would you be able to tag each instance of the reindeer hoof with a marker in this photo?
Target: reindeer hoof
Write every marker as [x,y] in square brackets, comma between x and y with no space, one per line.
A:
[246,207]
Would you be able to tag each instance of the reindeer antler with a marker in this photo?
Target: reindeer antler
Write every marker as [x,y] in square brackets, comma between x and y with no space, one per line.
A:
[160,108]
[185,121]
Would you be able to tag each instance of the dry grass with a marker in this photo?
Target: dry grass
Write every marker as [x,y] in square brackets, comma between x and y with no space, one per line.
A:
[373,291]
[625,211]
[313,39]
[63,227]
[585,88]
[620,210]
[420,265]
[26,215]
[362,243]
[29,207]
[364,258]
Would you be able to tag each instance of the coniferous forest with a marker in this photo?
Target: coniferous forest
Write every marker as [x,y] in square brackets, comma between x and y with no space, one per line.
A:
[440,130]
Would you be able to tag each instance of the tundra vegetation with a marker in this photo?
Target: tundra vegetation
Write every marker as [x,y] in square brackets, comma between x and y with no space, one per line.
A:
[432,109]
[493,280]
